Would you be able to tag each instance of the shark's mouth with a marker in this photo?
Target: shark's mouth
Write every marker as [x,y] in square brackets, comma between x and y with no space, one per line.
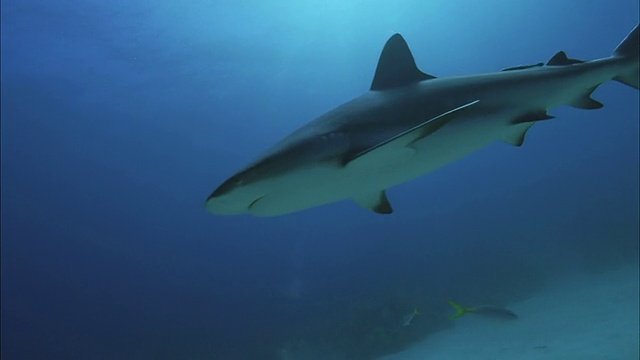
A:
[254,202]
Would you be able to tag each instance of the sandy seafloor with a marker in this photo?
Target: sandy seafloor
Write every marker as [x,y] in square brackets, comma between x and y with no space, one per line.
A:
[581,317]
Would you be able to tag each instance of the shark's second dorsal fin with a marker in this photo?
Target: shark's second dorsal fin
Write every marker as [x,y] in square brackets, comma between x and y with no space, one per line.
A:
[396,66]
[560,58]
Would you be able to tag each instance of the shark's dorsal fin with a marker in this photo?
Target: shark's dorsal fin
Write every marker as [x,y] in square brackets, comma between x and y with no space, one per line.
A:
[374,201]
[560,58]
[396,66]
[412,135]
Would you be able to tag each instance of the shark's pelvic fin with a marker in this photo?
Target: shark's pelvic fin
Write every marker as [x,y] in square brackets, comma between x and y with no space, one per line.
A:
[532,116]
[414,134]
[374,201]
[517,138]
[560,58]
[396,66]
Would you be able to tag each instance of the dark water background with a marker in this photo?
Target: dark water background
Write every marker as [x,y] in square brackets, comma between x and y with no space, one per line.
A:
[119,118]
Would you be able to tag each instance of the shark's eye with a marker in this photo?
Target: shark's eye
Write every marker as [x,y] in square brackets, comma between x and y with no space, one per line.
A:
[238,179]
[330,137]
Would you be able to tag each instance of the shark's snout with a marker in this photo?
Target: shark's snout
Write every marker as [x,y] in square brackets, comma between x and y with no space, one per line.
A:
[234,196]
[225,205]
[226,187]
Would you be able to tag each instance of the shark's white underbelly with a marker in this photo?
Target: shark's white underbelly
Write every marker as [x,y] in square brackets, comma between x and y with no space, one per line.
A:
[320,184]
[445,146]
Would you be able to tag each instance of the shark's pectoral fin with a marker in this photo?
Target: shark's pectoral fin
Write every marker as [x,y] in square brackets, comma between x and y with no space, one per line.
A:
[586,102]
[374,201]
[410,136]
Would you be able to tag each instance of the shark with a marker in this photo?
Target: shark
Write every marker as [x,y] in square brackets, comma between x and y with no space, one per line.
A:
[411,123]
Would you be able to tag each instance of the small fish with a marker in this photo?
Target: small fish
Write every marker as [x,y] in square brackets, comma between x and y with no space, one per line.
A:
[486,310]
[406,320]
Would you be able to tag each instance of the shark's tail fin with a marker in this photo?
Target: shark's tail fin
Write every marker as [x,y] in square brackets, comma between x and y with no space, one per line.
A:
[630,48]
[460,310]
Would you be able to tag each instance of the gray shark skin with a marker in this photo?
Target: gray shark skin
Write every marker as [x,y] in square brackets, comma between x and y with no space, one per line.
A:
[409,124]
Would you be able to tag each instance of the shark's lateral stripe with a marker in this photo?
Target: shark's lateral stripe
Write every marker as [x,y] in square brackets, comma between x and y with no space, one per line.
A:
[417,132]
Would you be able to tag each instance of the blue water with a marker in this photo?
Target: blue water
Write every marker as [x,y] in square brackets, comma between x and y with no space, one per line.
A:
[119,118]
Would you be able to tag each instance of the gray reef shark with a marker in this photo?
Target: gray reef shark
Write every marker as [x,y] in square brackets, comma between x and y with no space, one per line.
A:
[411,123]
